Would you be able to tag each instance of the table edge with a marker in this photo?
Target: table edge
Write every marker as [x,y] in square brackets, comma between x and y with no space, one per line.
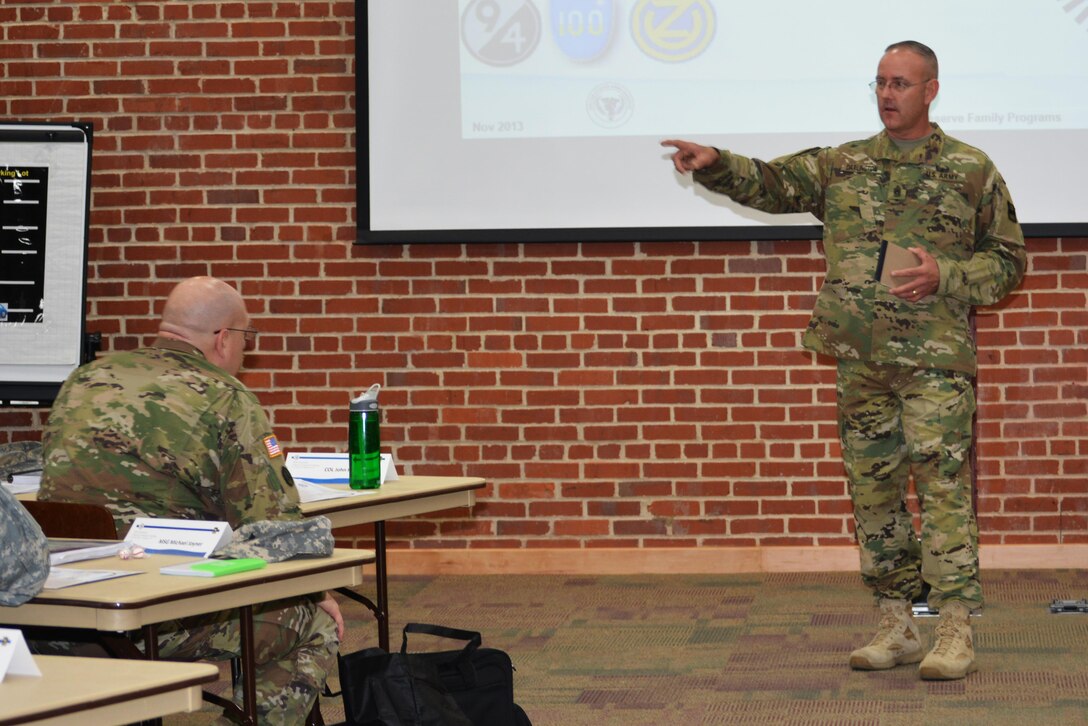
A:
[194,680]
[365,557]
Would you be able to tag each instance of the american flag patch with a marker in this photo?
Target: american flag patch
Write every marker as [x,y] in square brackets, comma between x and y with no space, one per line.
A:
[273,446]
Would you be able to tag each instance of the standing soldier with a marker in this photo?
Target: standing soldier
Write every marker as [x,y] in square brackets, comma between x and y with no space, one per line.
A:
[906,356]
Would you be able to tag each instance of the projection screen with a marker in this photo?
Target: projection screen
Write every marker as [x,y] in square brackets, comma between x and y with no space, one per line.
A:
[523,120]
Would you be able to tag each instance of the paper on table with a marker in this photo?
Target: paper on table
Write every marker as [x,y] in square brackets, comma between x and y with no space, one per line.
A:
[61,577]
[62,551]
[26,483]
[308,492]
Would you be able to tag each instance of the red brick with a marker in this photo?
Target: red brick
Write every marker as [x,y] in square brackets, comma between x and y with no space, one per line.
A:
[627,382]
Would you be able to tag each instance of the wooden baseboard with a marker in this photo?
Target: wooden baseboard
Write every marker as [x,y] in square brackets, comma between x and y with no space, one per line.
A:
[719,560]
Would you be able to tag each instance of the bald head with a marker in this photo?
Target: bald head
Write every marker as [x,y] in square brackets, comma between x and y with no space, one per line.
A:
[199,307]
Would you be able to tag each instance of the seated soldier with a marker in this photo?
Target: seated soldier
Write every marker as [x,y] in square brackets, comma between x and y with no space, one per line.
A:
[169,431]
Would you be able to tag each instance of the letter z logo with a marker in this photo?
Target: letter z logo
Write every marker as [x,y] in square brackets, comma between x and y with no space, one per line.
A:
[672,30]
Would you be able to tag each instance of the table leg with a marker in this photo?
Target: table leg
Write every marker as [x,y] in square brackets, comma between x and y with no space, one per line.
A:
[381,607]
[382,586]
[151,642]
[151,652]
[246,672]
[249,668]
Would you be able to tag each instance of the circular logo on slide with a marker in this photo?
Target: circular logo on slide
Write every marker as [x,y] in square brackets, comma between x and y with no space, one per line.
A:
[583,29]
[500,32]
[672,30]
[610,105]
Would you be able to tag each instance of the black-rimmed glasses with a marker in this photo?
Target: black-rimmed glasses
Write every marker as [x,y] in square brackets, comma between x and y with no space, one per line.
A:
[249,333]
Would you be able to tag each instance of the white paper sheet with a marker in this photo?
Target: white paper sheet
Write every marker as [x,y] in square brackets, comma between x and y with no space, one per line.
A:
[90,550]
[61,577]
[25,483]
[308,492]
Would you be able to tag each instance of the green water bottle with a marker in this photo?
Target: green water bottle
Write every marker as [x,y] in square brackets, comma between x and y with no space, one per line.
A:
[364,442]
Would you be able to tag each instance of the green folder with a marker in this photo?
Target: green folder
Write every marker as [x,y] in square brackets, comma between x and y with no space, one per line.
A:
[214,568]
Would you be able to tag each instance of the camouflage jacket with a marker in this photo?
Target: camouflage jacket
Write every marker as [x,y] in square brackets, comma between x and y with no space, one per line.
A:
[161,432]
[943,195]
[24,554]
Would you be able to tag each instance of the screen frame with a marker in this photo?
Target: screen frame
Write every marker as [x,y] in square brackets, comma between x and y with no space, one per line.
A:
[17,394]
[367,235]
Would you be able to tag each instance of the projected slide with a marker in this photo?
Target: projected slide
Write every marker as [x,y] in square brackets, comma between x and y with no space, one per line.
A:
[564,68]
[520,117]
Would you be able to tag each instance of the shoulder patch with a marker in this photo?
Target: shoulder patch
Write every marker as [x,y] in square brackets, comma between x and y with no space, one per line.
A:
[272,446]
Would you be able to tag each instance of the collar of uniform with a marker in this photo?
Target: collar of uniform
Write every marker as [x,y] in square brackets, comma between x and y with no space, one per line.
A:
[178,345]
[884,148]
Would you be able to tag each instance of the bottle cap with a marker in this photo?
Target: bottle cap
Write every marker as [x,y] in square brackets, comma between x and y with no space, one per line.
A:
[367,400]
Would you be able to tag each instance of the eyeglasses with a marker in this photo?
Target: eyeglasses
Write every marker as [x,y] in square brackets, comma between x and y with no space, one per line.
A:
[898,85]
[249,333]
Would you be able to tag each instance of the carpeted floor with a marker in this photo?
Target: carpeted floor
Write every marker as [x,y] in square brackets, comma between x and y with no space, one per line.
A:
[745,649]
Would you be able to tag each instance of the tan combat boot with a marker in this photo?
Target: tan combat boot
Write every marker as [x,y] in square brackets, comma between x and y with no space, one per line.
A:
[896,641]
[953,656]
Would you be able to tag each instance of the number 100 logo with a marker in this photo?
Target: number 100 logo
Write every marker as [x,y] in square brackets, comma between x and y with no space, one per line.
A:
[583,28]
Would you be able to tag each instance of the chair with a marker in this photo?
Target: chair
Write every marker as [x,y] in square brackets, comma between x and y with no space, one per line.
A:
[75,521]
[69,519]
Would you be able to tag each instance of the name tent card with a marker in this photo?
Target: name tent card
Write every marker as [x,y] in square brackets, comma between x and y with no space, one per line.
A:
[15,657]
[178,536]
[331,468]
[318,468]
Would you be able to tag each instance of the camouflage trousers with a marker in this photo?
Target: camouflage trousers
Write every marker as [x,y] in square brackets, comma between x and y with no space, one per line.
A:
[295,645]
[895,422]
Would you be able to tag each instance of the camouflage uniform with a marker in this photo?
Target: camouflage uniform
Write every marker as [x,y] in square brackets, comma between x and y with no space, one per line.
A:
[24,554]
[18,457]
[162,432]
[905,369]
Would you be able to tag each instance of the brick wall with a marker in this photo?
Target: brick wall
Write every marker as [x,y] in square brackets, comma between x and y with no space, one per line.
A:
[622,394]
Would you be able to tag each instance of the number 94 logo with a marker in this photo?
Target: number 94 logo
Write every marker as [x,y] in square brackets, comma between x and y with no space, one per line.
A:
[500,32]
